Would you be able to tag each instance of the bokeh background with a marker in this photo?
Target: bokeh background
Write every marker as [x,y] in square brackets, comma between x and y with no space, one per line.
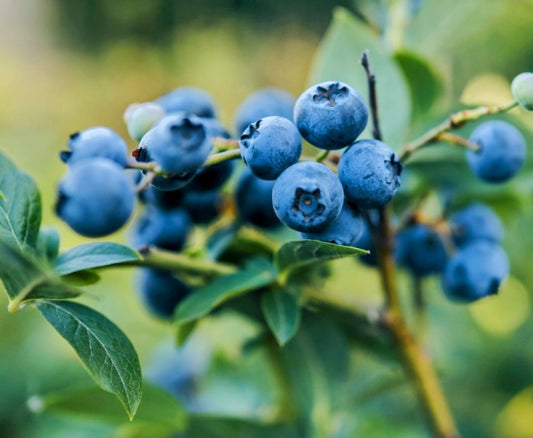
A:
[66,66]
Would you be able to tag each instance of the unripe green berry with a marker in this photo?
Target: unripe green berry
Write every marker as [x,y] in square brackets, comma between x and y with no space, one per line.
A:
[522,89]
[141,117]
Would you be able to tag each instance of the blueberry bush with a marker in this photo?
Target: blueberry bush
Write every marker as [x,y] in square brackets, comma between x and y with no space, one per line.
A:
[258,221]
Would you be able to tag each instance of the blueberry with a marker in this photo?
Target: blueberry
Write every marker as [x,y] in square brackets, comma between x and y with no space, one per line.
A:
[522,89]
[95,197]
[263,103]
[270,145]
[212,177]
[164,199]
[476,221]
[141,117]
[203,207]
[502,151]
[189,99]
[254,200]
[97,142]
[421,249]
[330,115]
[167,229]
[307,197]
[178,143]
[161,291]
[369,171]
[365,242]
[475,271]
[345,230]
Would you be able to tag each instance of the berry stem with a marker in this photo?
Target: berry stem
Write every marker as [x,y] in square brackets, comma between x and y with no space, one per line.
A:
[454,121]
[146,181]
[457,140]
[221,144]
[372,96]
[161,259]
[415,360]
[321,156]
[220,157]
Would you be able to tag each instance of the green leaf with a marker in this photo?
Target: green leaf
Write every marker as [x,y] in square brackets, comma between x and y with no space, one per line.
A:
[338,59]
[20,206]
[48,243]
[223,288]
[81,278]
[220,240]
[425,83]
[25,280]
[94,255]
[102,347]
[299,253]
[282,314]
[157,406]
[184,331]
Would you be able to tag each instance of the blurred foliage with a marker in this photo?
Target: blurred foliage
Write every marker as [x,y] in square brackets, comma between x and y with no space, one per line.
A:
[70,65]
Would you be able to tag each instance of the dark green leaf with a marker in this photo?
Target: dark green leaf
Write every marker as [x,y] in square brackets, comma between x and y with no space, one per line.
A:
[282,314]
[184,331]
[103,348]
[81,278]
[48,243]
[338,58]
[294,255]
[20,206]
[157,406]
[94,255]
[25,280]
[425,84]
[223,288]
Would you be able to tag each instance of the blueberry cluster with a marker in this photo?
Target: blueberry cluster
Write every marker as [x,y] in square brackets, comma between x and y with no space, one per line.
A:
[333,198]
[468,255]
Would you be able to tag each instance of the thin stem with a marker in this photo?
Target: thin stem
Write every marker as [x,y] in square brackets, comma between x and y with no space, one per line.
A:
[457,140]
[372,96]
[421,370]
[219,157]
[221,144]
[415,360]
[145,167]
[454,121]
[321,156]
[146,181]
[160,259]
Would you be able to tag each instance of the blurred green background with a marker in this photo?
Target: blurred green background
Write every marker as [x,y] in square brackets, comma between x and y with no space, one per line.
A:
[66,66]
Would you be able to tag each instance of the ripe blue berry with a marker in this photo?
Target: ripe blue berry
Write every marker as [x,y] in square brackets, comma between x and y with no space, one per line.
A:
[164,199]
[369,171]
[178,143]
[203,207]
[502,151]
[307,197]
[263,103]
[141,117]
[330,115]
[212,177]
[475,271]
[365,242]
[167,229]
[345,230]
[97,142]
[189,99]
[476,221]
[522,89]
[161,291]
[270,145]
[95,198]
[253,197]
[421,249]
